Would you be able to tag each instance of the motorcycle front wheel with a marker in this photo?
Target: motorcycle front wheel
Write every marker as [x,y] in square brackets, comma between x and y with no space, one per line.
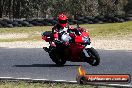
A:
[56,58]
[94,58]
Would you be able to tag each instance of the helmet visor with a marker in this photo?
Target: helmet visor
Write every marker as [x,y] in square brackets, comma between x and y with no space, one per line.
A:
[62,21]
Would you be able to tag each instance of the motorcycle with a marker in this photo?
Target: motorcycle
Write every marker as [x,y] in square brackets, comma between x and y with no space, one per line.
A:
[69,48]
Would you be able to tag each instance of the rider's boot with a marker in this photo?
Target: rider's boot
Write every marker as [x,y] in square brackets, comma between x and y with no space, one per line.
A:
[46,49]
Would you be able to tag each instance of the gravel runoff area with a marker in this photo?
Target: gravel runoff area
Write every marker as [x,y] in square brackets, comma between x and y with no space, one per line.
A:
[106,44]
[97,43]
[14,35]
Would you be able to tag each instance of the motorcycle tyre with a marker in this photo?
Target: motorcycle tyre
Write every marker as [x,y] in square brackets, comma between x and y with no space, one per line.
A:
[92,52]
[57,59]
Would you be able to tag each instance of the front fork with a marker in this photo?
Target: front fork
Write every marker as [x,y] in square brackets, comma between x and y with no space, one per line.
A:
[85,52]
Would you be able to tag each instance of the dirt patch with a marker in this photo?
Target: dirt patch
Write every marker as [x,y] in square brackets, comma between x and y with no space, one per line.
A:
[109,44]
[14,35]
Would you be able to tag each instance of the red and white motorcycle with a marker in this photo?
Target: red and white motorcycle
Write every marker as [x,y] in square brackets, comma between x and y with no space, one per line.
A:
[72,47]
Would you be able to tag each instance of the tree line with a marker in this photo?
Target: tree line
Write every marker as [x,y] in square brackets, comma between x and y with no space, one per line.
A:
[51,8]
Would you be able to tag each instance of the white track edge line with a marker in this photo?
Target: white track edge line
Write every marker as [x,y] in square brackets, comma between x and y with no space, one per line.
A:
[12,78]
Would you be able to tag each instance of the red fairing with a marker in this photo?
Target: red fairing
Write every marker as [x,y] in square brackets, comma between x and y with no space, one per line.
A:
[85,34]
[78,39]
[43,37]
[75,50]
[46,38]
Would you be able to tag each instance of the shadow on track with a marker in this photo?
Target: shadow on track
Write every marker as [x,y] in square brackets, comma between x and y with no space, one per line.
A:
[43,65]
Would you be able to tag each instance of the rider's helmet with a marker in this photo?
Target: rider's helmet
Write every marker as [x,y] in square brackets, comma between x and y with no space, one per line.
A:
[63,20]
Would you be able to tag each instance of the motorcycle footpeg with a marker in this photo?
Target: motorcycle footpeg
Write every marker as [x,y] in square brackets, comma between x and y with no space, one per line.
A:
[46,49]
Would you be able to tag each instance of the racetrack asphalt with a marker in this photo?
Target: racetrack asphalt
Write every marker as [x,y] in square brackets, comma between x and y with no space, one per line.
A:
[35,63]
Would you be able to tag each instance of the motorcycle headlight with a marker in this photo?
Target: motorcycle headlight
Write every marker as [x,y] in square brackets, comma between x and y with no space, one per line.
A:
[86,40]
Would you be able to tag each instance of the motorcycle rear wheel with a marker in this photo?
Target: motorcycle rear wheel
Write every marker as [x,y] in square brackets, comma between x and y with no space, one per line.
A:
[56,58]
[94,59]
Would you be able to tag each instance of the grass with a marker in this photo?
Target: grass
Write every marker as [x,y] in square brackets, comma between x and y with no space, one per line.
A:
[96,30]
[30,30]
[45,85]
[30,38]
[112,30]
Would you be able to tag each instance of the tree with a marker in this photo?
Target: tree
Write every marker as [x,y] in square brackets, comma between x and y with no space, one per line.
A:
[1,8]
[128,6]
[43,8]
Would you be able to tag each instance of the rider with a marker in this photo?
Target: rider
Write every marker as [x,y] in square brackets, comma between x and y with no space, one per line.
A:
[62,25]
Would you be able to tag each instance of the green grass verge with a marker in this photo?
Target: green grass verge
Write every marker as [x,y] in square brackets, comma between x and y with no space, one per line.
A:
[111,29]
[25,29]
[96,30]
[31,38]
[45,85]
